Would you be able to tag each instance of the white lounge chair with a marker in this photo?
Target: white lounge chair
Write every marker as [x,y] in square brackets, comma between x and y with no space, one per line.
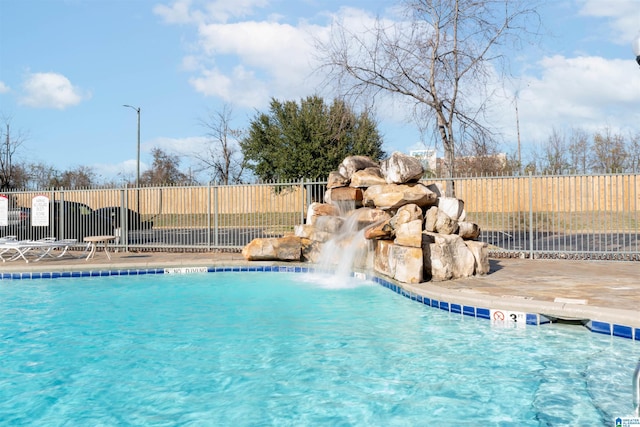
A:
[50,244]
[16,249]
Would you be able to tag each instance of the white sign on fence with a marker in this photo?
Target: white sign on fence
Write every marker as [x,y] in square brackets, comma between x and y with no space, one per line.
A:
[4,211]
[40,211]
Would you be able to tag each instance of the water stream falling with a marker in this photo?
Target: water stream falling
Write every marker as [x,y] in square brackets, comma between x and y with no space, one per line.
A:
[348,250]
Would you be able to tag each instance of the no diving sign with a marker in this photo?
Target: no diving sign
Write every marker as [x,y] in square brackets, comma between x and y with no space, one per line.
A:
[512,318]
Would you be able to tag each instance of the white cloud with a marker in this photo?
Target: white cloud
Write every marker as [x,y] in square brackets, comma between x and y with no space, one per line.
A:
[50,90]
[249,62]
[240,87]
[4,88]
[186,12]
[623,17]
[178,13]
[125,170]
[263,60]
[583,92]
[178,146]
[223,10]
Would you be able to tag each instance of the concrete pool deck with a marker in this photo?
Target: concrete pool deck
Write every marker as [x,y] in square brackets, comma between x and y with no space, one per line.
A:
[607,291]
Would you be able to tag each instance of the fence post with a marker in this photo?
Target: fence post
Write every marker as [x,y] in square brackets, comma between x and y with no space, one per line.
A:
[530,216]
[215,216]
[303,186]
[61,216]
[124,221]
[209,215]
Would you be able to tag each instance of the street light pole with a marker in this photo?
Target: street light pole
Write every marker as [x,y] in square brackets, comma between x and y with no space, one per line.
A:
[137,110]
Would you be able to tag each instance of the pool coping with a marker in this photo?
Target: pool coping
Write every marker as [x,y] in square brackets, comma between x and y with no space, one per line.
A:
[497,309]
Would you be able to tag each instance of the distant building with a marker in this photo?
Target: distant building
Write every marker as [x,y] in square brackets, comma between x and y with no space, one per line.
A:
[428,158]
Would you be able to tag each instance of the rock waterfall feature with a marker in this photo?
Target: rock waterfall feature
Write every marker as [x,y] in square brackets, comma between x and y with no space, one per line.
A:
[381,218]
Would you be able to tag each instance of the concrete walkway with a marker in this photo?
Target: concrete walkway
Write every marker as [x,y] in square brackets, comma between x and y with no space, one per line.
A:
[600,290]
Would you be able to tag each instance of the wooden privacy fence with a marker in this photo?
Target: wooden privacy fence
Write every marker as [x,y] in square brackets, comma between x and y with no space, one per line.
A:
[576,193]
[576,216]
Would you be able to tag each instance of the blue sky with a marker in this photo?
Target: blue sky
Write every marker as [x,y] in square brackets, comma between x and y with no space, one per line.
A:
[68,66]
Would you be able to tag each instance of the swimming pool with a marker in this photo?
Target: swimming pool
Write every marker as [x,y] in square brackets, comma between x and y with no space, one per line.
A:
[288,349]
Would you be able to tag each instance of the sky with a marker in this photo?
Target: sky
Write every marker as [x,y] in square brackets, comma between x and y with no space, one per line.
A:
[67,67]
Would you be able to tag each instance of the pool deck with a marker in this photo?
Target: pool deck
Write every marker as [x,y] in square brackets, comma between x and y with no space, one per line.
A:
[607,291]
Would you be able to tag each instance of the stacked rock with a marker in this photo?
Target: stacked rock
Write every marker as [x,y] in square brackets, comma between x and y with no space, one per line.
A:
[417,233]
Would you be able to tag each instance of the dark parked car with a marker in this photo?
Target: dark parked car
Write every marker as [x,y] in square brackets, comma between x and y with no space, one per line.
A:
[71,220]
[134,219]
[18,222]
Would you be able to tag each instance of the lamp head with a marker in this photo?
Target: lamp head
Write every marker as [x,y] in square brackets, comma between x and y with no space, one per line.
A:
[636,48]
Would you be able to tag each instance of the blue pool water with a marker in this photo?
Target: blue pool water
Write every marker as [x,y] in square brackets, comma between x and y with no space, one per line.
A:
[289,350]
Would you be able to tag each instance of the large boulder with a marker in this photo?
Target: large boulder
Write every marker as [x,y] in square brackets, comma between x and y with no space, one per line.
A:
[453,207]
[409,266]
[336,179]
[436,188]
[352,164]
[401,263]
[447,257]
[406,213]
[393,196]
[381,257]
[480,253]
[445,224]
[367,216]
[401,168]
[430,218]
[367,177]
[379,231]
[468,230]
[288,248]
[320,209]
[311,250]
[343,196]
[409,234]
[311,232]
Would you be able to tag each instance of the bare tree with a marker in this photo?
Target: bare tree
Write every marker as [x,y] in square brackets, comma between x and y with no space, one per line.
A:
[609,152]
[554,158]
[79,177]
[633,152]
[579,151]
[480,156]
[164,170]
[222,157]
[440,58]
[11,174]
[41,176]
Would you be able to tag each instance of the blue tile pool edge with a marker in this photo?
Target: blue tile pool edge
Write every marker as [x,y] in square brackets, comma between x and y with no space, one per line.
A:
[535,319]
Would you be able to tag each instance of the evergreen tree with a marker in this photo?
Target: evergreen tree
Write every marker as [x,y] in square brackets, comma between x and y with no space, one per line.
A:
[308,140]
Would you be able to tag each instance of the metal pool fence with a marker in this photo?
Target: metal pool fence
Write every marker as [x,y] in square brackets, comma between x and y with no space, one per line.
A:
[573,217]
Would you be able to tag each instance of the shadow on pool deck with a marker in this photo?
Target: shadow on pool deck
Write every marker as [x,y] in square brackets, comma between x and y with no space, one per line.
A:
[608,291]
